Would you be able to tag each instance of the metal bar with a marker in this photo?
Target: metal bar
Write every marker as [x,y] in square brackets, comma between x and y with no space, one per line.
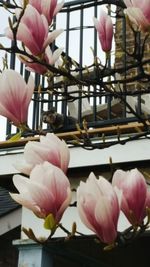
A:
[50,96]
[42,104]
[138,48]
[64,102]
[35,118]
[80,63]
[124,44]
[12,66]
[77,2]
[109,66]
[95,54]
[80,2]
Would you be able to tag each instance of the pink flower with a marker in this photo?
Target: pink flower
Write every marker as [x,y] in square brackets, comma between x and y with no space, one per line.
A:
[143,5]
[147,204]
[50,148]
[139,13]
[46,192]
[104,28]
[49,8]
[15,96]
[48,57]
[135,197]
[33,31]
[98,207]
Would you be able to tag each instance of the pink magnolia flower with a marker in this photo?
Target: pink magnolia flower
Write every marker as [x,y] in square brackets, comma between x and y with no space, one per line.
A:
[46,192]
[104,28]
[50,148]
[49,8]
[15,96]
[48,57]
[139,13]
[143,5]
[98,207]
[33,31]
[135,197]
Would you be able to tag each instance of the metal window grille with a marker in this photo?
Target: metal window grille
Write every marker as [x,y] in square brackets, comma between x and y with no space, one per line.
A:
[99,109]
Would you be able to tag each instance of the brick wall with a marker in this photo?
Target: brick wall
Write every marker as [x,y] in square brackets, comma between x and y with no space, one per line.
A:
[124,39]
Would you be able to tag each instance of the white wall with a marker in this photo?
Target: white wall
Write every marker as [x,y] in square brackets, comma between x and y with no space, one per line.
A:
[138,150]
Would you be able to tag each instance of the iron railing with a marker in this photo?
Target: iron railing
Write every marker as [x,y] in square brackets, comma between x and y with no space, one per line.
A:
[97,106]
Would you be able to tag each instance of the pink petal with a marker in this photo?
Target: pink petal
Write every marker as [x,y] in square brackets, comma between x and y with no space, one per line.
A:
[36,4]
[98,207]
[107,230]
[118,178]
[104,28]
[133,186]
[25,36]
[54,57]
[60,146]
[51,37]
[15,96]
[137,17]
[85,206]
[36,153]
[23,167]
[128,3]
[58,8]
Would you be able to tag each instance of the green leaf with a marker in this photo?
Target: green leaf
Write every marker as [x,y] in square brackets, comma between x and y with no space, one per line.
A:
[110,246]
[15,137]
[50,223]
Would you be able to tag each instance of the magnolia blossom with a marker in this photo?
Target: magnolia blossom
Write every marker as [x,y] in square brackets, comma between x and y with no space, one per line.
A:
[49,57]
[46,192]
[139,13]
[33,31]
[135,197]
[98,207]
[50,148]
[49,8]
[15,96]
[104,28]
[143,5]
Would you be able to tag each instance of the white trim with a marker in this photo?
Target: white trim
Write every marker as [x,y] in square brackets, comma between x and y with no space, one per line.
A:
[10,221]
[138,150]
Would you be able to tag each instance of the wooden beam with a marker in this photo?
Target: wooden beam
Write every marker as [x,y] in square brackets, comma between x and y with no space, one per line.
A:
[113,130]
